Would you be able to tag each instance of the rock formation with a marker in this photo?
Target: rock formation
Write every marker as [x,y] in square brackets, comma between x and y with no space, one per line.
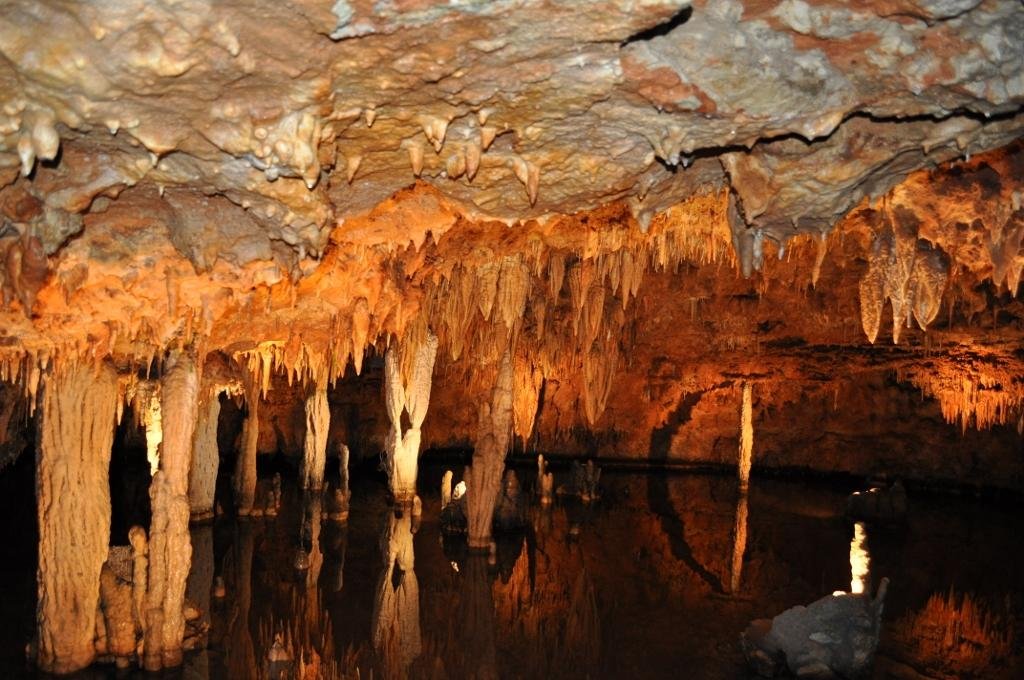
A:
[76,433]
[318,416]
[483,480]
[407,380]
[170,548]
[596,218]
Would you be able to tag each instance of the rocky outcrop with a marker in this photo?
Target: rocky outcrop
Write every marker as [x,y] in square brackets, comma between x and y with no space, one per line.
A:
[834,637]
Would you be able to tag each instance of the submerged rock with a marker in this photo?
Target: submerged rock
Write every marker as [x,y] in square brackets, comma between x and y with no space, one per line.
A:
[879,504]
[834,637]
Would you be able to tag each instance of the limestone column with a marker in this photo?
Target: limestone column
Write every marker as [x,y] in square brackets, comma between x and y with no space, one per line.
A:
[746,437]
[245,468]
[170,546]
[403,449]
[75,438]
[202,475]
[318,423]
[494,435]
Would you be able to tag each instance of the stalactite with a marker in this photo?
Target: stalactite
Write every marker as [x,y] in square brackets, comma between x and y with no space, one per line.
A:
[527,382]
[909,272]
[746,436]
[318,421]
[170,548]
[76,433]
[402,449]
[494,432]
[202,476]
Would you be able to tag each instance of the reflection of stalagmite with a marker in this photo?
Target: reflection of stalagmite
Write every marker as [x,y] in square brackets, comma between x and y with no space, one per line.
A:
[245,468]
[413,397]
[170,547]
[200,583]
[76,434]
[493,438]
[396,611]
[746,436]
[241,657]
[202,476]
[476,613]
[739,542]
[318,421]
[860,561]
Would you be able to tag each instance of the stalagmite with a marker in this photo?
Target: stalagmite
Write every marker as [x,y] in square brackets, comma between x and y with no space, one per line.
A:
[245,467]
[494,432]
[318,421]
[202,475]
[403,449]
[746,437]
[170,547]
[446,489]
[76,433]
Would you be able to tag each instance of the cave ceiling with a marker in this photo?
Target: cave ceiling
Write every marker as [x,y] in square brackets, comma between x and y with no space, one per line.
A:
[320,176]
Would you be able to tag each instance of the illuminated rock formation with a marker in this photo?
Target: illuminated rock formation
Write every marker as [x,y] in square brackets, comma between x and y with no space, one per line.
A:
[170,547]
[76,433]
[318,416]
[483,480]
[202,474]
[407,378]
[595,218]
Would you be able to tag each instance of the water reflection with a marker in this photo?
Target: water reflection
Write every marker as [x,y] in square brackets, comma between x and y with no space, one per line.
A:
[860,560]
[396,611]
[605,590]
[739,542]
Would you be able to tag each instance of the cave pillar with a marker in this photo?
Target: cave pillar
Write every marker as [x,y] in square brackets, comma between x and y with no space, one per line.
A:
[318,422]
[202,476]
[170,546]
[403,448]
[746,437]
[494,433]
[245,467]
[75,438]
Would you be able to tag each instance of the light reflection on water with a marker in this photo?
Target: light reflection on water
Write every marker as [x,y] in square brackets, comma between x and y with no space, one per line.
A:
[660,575]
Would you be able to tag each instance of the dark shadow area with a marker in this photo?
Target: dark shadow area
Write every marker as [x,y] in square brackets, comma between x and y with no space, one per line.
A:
[658,494]
[662,29]
[19,537]
[129,480]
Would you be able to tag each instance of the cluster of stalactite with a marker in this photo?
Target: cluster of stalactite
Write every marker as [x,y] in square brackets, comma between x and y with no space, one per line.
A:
[909,272]
[972,393]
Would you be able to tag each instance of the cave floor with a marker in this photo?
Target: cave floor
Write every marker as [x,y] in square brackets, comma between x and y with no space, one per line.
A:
[635,585]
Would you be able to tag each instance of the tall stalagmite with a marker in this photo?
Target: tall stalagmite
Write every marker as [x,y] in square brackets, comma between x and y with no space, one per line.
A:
[403,449]
[170,547]
[746,436]
[245,467]
[318,422]
[76,434]
[494,435]
[202,475]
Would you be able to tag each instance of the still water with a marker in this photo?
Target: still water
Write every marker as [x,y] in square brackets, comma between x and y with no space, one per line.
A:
[657,579]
